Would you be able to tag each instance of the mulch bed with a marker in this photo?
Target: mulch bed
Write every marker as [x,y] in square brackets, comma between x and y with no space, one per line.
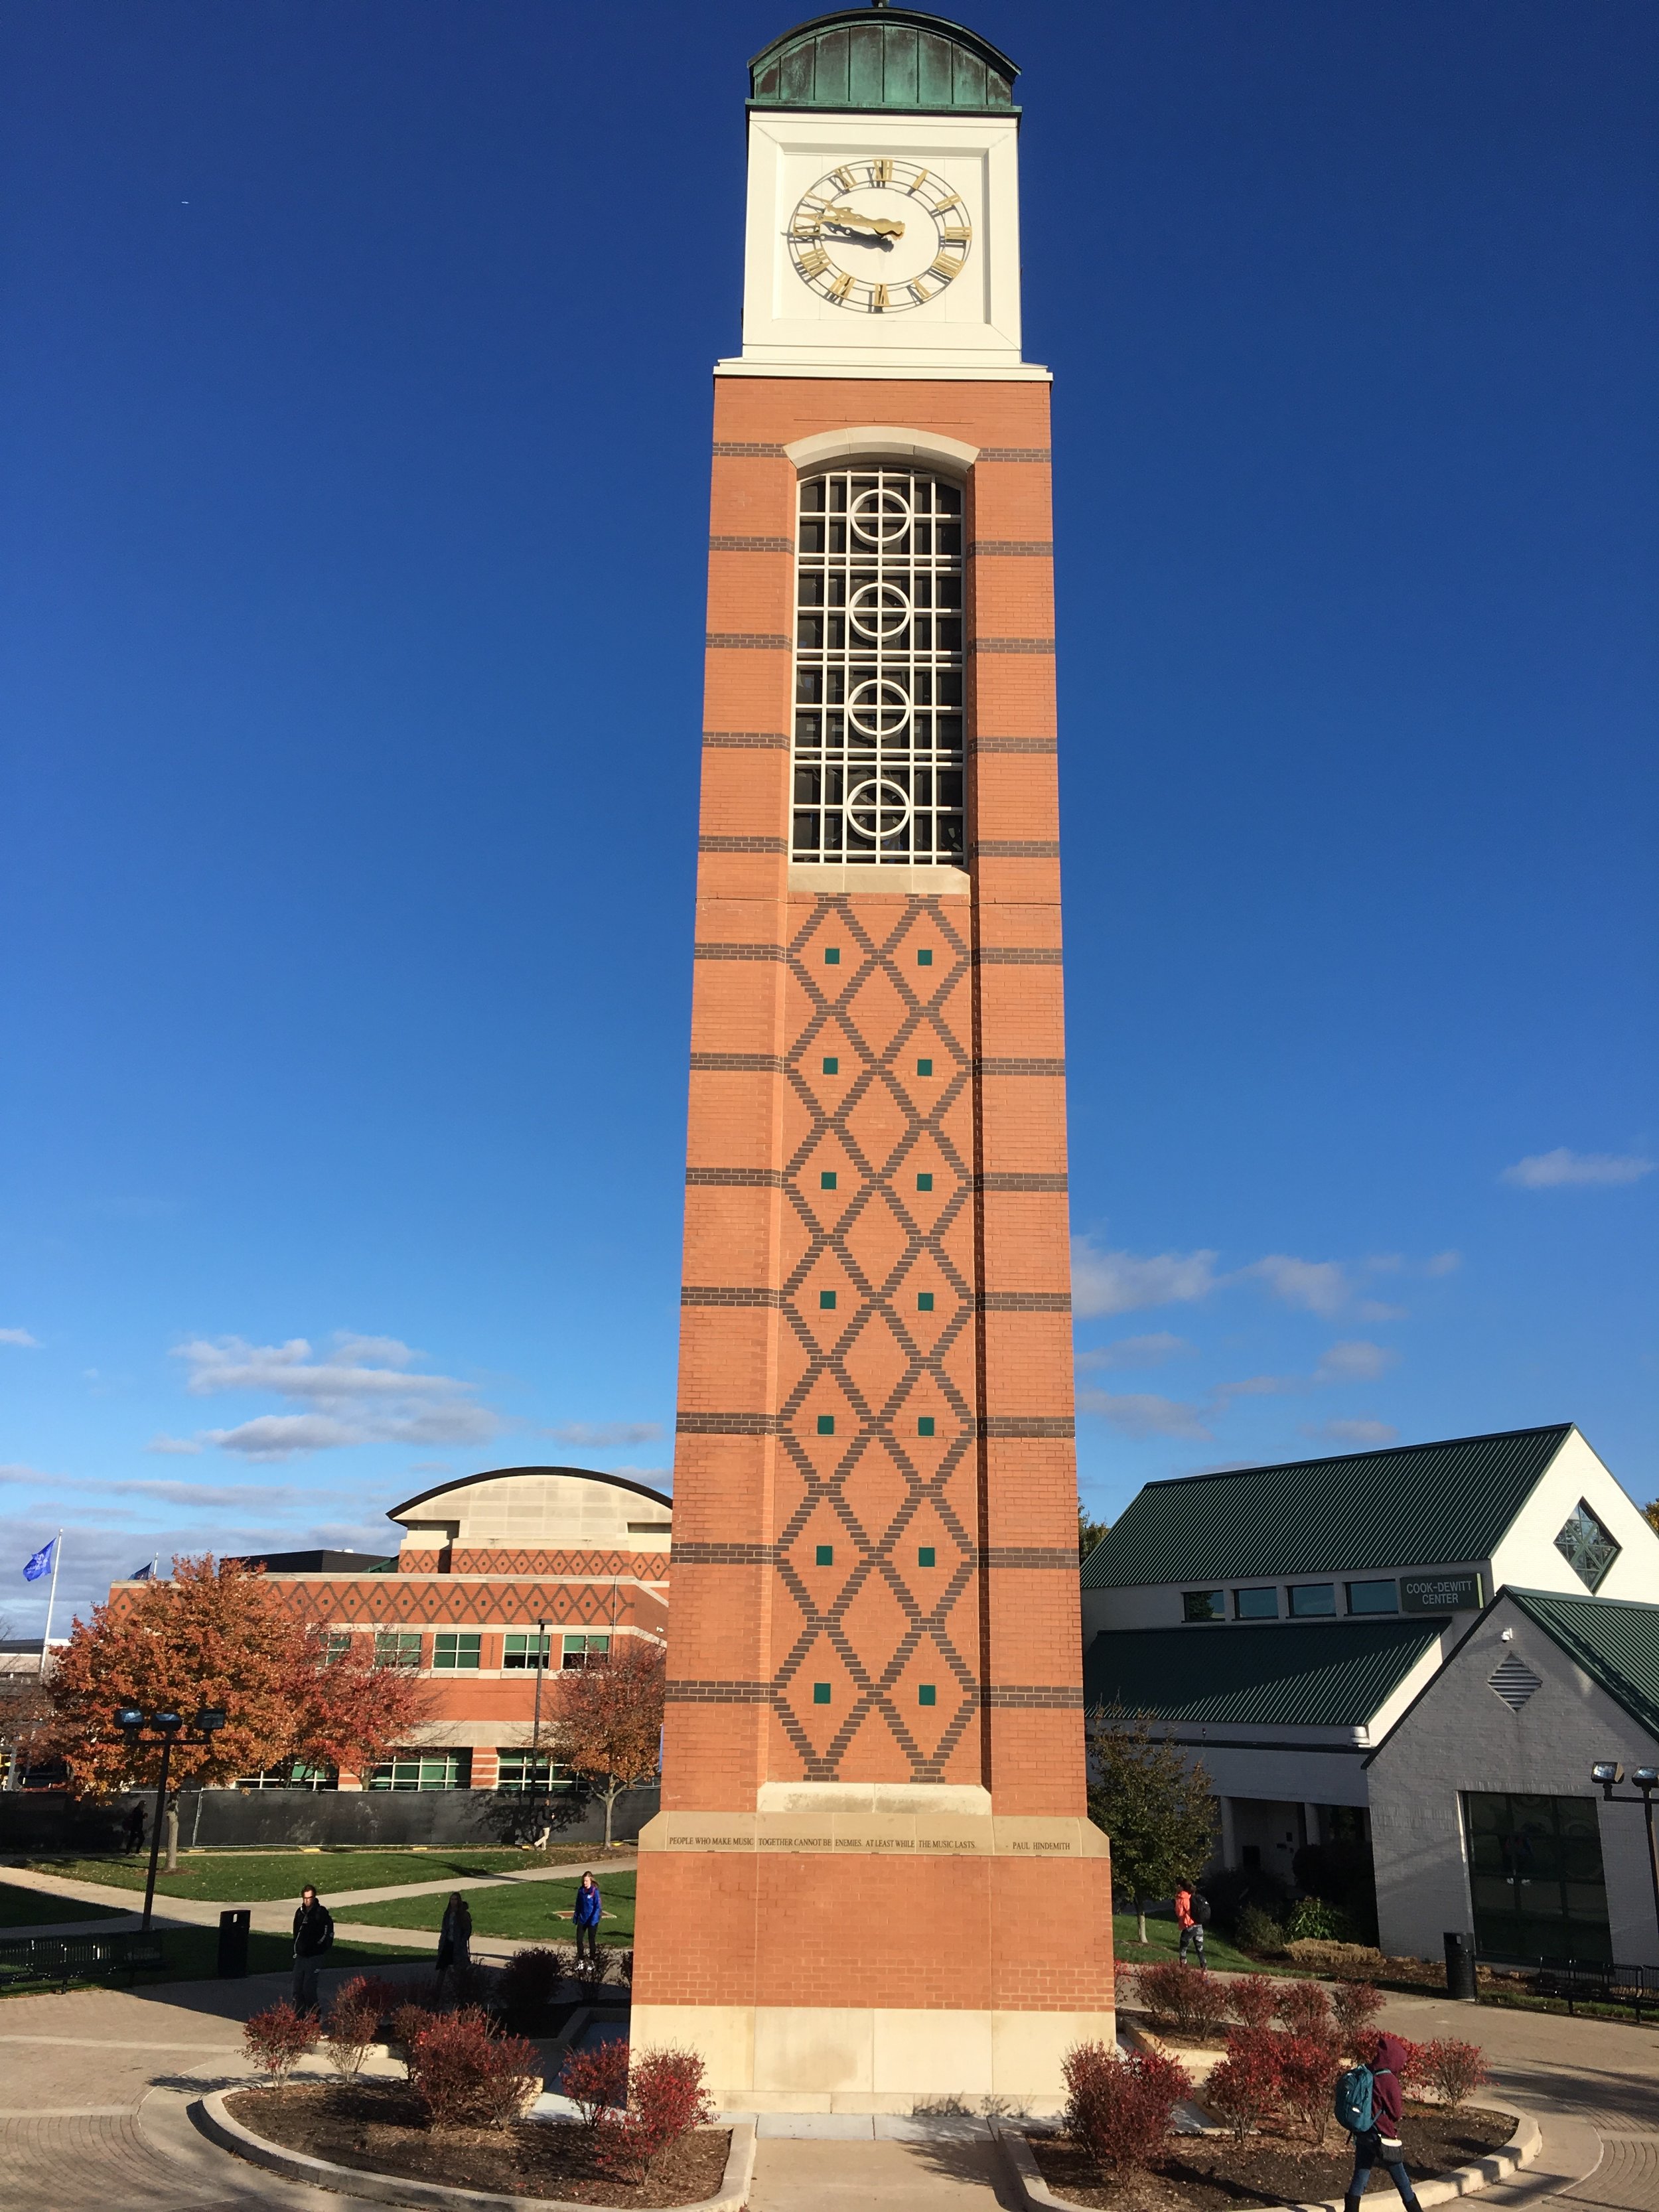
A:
[380,2128]
[1210,2173]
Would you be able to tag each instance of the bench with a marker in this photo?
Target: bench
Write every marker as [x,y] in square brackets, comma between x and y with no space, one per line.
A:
[1583,1981]
[64,1958]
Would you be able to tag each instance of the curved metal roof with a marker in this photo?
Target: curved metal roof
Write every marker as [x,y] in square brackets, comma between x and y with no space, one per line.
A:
[500,1473]
[883,57]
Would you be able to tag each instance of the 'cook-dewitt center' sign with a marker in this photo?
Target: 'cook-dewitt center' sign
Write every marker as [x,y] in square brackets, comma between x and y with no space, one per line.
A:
[1440,1594]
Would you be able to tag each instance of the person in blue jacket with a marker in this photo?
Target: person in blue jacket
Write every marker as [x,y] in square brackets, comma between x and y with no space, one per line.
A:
[585,1914]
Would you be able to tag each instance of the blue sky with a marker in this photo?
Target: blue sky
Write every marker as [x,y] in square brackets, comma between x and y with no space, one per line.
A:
[357,403]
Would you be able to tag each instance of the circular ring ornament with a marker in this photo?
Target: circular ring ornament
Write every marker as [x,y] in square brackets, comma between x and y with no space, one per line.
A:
[880,611]
[879,809]
[879,237]
[878,708]
[880,515]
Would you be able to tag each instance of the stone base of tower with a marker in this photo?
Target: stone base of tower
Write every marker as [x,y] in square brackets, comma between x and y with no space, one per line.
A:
[875,1962]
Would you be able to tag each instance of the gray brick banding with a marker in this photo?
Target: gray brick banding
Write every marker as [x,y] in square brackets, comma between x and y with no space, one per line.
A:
[735,1178]
[719,1693]
[737,952]
[1011,645]
[1009,1180]
[1029,1696]
[727,1424]
[1037,548]
[746,449]
[747,640]
[736,1063]
[1023,1556]
[723,1555]
[1018,956]
[751,545]
[1014,454]
[711,842]
[1013,744]
[702,1294]
[1003,1426]
[1024,1302]
[1015,849]
[997,1066]
[747,740]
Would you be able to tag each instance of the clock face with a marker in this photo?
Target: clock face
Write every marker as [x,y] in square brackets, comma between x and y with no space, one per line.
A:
[879,236]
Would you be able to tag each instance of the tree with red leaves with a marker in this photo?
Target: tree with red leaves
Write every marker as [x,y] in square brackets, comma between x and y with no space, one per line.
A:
[607,1726]
[218,1634]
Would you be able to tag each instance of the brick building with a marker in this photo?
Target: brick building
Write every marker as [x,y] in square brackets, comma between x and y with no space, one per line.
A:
[875,1683]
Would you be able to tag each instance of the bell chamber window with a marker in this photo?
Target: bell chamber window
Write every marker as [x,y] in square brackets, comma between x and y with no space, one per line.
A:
[878,670]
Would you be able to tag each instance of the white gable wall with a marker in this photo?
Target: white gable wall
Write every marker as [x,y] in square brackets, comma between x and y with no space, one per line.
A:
[540,1512]
[1526,1557]
[1460,1735]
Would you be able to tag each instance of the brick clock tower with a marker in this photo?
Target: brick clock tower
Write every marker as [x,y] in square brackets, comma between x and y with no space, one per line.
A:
[873,1882]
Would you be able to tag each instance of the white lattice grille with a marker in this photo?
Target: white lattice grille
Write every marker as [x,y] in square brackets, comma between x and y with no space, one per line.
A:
[878,670]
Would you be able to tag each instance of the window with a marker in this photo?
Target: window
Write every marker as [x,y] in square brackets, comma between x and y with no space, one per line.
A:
[925,1555]
[397,1647]
[826,1302]
[924,1183]
[1586,1547]
[291,1775]
[924,1067]
[925,957]
[826,1179]
[820,1694]
[832,956]
[513,1772]
[878,768]
[925,1425]
[1256,1605]
[520,1651]
[585,1651]
[832,1064]
[1313,1600]
[927,1693]
[424,1770]
[826,1424]
[450,1649]
[1202,1605]
[1536,1877]
[924,1301]
[826,1555]
[336,1644]
[1373,1597]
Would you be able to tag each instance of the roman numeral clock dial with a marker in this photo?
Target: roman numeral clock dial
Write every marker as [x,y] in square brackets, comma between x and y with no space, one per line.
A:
[879,236]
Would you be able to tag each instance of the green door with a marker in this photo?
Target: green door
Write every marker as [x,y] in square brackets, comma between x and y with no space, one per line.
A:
[1535,1878]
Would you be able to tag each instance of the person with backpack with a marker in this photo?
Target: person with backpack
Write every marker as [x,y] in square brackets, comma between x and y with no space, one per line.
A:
[314,1939]
[1191,1912]
[1369,2103]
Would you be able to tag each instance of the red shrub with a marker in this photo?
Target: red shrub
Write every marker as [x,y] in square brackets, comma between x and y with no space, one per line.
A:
[666,2100]
[1305,2010]
[1254,1997]
[1412,2077]
[1453,2071]
[1308,2068]
[409,2023]
[1182,1997]
[595,2079]
[1243,2090]
[1120,2109]
[1355,2005]
[531,1978]
[350,2025]
[276,2039]
[466,2075]
[384,1995]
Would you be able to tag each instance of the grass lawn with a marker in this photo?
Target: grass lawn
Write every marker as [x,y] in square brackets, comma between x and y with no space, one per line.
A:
[28,1908]
[539,1912]
[192,1955]
[252,1877]
[1163,1944]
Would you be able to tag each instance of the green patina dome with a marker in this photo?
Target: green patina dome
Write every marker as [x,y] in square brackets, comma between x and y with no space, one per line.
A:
[881,57]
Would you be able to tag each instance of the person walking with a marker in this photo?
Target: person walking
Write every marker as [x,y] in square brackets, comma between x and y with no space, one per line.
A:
[1188,1905]
[455,1940]
[588,1907]
[133,1833]
[1380,2144]
[314,1939]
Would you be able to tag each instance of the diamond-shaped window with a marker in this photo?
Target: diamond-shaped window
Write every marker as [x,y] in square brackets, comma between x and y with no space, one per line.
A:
[1586,1546]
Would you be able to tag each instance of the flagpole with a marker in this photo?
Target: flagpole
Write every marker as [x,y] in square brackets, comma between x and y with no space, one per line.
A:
[52,1597]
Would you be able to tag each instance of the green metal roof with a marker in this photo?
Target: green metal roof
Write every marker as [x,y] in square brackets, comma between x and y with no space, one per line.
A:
[883,57]
[1410,1505]
[1302,1675]
[1614,1640]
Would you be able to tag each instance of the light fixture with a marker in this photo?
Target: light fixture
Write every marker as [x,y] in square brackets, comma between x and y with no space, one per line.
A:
[1607,1773]
[1646,1777]
[209,1718]
[129,1716]
[169,1723]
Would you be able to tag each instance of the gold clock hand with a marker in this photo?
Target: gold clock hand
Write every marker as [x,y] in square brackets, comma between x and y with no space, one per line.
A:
[879,224]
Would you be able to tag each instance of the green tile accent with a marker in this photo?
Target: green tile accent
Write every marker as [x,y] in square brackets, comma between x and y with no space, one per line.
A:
[925,1425]
[925,958]
[832,1066]
[924,1067]
[826,1302]
[820,1694]
[832,956]
[826,1555]
[826,1424]
[827,1180]
[924,1183]
[927,1694]
[924,1555]
[924,1301]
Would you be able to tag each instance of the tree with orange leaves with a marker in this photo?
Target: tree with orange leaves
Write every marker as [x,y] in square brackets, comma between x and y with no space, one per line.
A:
[607,1724]
[218,1634]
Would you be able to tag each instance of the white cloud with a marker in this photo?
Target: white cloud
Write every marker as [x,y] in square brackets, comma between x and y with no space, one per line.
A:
[22,1338]
[1355,1361]
[1135,1352]
[1554,1171]
[1444,1263]
[1119,1282]
[597,1435]
[1316,1285]
[1374,1309]
[361,1392]
[1144,1415]
[1351,1432]
[173,1444]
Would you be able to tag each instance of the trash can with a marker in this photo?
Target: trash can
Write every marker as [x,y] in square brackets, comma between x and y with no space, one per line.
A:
[1460,1968]
[232,1942]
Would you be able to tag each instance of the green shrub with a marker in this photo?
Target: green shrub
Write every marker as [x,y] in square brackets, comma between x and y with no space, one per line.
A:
[1310,1919]
[1258,1930]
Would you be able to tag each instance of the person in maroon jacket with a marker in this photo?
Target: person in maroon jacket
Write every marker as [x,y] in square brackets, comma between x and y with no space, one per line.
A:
[1380,2143]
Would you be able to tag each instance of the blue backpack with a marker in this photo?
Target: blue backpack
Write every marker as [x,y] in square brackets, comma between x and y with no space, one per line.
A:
[1353,2098]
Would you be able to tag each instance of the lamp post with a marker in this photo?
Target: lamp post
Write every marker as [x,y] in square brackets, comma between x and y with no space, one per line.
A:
[133,1720]
[536,1724]
[1609,1773]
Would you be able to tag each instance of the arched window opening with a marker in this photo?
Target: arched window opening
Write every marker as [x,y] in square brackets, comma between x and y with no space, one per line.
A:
[878,670]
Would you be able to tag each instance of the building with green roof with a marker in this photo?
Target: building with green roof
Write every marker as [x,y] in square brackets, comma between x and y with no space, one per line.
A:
[1283,1623]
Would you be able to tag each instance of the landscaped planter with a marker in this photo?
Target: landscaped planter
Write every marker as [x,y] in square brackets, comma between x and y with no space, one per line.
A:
[366,2139]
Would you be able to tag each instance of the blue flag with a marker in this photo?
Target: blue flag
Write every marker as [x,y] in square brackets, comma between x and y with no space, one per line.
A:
[40,1564]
